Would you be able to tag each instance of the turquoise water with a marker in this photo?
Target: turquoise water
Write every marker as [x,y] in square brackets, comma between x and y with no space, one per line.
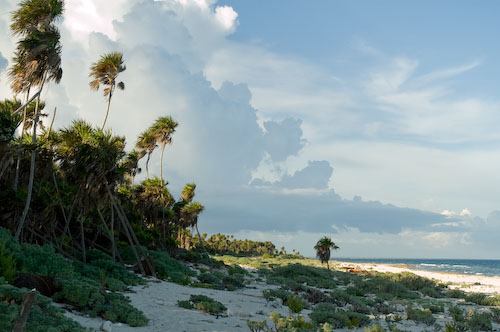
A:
[465,266]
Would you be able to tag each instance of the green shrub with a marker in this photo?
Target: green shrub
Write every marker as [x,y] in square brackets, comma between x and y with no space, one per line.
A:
[209,278]
[290,323]
[7,265]
[256,326]
[279,293]
[205,304]
[495,315]
[337,319]
[43,260]
[375,328]
[296,304]
[44,317]
[420,316]
[479,322]
[236,269]
[171,269]
[456,294]
[434,308]
[185,304]
[87,296]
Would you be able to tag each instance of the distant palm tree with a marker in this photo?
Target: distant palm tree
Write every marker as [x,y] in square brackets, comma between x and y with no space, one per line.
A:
[162,130]
[146,143]
[105,72]
[323,249]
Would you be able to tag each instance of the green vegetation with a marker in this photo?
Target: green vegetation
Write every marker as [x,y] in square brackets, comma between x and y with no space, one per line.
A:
[296,304]
[220,244]
[89,288]
[205,304]
[420,315]
[44,316]
[375,328]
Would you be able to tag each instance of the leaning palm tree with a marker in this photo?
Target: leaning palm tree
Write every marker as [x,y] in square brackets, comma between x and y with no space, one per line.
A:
[146,143]
[323,249]
[38,60]
[105,72]
[162,130]
[35,14]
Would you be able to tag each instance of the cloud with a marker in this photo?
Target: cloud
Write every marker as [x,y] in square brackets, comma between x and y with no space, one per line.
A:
[3,63]
[314,176]
[277,138]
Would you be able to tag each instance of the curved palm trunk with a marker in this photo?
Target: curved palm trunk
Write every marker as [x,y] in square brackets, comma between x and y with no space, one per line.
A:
[147,164]
[161,161]
[51,123]
[107,110]
[32,167]
[18,164]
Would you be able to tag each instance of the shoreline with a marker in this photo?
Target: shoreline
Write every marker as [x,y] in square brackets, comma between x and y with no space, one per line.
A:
[467,282]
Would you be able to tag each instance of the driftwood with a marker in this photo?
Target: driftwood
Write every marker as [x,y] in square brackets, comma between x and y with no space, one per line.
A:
[28,301]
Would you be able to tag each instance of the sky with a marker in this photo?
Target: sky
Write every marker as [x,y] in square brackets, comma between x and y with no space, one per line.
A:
[374,123]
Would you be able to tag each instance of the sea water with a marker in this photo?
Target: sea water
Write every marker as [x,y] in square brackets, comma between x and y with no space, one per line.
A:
[462,266]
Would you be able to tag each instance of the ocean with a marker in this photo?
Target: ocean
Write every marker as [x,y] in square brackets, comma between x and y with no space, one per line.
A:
[464,266]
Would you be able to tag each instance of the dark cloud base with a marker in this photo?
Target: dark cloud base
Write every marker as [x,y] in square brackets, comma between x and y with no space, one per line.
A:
[267,210]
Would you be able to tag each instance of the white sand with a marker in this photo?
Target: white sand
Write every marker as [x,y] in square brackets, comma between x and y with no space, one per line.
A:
[467,283]
[158,300]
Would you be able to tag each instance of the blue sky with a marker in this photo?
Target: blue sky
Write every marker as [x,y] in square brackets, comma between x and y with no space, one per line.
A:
[373,122]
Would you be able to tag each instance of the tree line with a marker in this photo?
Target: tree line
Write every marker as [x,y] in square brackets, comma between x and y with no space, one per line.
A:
[74,187]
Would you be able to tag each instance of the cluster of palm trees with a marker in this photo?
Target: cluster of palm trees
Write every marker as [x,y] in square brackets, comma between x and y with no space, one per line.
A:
[80,193]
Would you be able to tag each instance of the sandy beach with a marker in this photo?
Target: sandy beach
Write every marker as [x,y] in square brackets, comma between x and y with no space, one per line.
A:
[158,300]
[467,283]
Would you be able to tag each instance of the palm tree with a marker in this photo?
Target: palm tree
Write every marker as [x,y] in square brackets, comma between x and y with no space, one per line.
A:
[323,247]
[162,130]
[146,143]
[8,125]
[35,14]
[105,72]
[38,59]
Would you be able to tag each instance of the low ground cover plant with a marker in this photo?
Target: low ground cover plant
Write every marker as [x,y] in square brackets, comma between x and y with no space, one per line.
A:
[90,288]
[420,315]
[205,304]
[43,317]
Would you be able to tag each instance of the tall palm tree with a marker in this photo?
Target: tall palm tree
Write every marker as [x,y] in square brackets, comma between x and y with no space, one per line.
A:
[323,249]
[146,143]
[162,130]
[105,72]
[38,59]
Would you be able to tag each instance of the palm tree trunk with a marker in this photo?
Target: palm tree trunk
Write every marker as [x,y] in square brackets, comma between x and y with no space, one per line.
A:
[82,238]
[113,232]
[161,161]
[51,122]
[201,242]
[147,163]
[107,110]
[18,164]
[32,166]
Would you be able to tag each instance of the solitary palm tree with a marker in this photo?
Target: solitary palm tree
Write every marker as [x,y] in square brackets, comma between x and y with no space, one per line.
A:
[162,130]
[146,143]
[105,72]
[323,247]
